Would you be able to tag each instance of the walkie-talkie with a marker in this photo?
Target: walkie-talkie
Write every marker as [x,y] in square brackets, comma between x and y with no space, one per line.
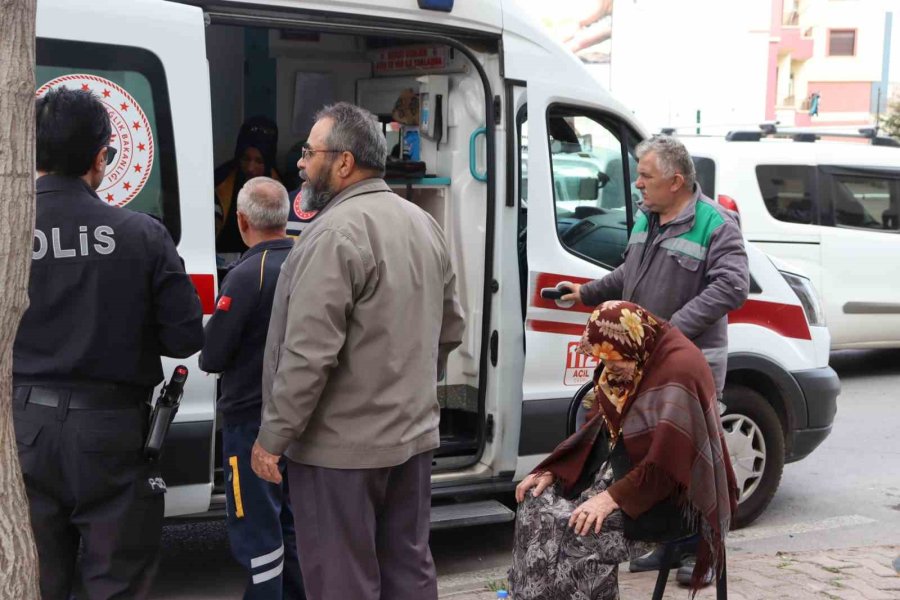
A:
[164,412]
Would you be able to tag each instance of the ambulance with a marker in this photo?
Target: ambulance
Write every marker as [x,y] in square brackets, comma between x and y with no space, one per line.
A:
[529,168]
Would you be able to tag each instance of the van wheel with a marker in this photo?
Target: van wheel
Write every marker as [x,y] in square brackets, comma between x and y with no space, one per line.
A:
[756,445]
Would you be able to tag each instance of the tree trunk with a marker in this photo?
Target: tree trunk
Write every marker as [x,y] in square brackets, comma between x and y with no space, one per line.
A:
[18,555]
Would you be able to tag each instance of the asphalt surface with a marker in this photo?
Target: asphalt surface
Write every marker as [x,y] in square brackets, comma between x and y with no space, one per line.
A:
[846,494]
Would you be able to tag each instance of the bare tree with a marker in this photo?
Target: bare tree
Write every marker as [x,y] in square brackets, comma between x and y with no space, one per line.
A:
[18,556]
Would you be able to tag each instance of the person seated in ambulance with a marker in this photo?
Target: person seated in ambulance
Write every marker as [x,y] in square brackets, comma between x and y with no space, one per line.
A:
[254,155]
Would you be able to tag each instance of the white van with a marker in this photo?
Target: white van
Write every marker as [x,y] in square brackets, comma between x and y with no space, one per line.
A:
[830,208]
[503,100]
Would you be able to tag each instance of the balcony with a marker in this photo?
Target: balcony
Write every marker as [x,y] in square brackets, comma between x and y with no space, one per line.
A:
[790,18]
[794,43]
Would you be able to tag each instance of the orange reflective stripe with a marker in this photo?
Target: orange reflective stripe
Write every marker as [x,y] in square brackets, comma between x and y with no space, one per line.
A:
[236,487]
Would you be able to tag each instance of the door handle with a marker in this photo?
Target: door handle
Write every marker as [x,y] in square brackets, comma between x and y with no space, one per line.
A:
[556,293]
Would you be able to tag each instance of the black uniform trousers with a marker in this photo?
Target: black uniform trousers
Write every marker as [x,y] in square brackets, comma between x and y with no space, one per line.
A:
[88,483]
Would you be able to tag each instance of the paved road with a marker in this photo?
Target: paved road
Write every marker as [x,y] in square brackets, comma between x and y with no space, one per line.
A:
[845,495]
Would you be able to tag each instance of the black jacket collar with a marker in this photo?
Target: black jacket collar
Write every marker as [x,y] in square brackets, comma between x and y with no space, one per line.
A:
[286,243]
[60,183]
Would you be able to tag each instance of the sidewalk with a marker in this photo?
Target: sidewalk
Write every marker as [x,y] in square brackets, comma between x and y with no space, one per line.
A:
[848,574]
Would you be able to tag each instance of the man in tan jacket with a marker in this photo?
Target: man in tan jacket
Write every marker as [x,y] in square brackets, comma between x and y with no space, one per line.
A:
[365,314]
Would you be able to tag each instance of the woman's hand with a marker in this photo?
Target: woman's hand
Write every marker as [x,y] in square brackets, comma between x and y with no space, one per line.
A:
[538,481]
[592,512]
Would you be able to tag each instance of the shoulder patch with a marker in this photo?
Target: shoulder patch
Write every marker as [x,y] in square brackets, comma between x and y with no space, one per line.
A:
[706,220]
[641,223]
[224,304]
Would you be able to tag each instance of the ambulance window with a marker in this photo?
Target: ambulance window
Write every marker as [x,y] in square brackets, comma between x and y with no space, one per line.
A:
[589,187]
[132,85]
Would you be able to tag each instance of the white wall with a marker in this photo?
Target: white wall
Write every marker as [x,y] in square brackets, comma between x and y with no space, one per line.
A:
[867,17]
[670,59]
[341,56]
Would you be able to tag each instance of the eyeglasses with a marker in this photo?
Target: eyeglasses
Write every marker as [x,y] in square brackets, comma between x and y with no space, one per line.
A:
[110,154]
[307,153]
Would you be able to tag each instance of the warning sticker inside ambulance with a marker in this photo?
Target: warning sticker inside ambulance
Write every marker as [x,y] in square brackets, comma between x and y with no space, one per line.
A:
[579,368]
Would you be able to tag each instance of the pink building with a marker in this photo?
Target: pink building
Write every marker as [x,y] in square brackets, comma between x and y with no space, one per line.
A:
[829,50]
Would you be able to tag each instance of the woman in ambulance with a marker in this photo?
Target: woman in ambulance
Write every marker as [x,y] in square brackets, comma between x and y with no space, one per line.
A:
[254,155]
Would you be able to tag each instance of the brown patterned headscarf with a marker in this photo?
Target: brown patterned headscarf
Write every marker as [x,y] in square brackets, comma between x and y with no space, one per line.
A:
[618,330]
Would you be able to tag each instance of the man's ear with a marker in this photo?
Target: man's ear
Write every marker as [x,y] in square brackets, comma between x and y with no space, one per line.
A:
[99,162]
[677,182]
[346,164]
[242,223]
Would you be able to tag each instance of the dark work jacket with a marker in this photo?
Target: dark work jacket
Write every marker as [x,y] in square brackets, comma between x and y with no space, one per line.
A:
[236,333]
[108,293]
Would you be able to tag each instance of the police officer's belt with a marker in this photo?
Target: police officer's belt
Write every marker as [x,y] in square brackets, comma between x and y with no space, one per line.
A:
[101,397]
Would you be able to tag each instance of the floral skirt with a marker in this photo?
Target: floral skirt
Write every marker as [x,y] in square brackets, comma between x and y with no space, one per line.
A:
[551,562]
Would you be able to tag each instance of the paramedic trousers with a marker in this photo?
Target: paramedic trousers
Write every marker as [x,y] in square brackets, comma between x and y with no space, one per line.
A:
[81,451]
[369,529]
[259,520]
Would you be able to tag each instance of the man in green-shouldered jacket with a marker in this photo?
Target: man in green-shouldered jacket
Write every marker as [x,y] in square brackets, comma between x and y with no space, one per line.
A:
[685,260]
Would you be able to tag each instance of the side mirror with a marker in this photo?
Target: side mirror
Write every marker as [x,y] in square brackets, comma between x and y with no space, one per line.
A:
[602,179]
[588,188]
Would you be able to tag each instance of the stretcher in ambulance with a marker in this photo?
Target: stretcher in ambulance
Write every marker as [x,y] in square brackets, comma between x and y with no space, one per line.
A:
[528,165]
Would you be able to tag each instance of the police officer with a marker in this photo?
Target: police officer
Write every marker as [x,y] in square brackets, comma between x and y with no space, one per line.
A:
[108,295]
[260,522]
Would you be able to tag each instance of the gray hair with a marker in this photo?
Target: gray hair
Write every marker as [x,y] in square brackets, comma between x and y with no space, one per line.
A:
[264,202]
[355,130]
[672,157]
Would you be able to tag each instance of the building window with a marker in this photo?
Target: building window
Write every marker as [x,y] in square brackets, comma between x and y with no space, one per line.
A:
[841,42]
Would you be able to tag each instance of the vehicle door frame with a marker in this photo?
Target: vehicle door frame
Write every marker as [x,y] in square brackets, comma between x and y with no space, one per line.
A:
[298,19]
[548,404]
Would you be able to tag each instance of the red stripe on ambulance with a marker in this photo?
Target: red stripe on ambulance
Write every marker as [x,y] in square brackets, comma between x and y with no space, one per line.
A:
[785,319]
[556,327]
[206,290]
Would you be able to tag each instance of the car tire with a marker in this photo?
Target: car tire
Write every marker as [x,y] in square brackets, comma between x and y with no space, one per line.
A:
[755,442]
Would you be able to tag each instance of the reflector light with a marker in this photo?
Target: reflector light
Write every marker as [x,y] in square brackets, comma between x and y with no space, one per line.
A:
[729,203]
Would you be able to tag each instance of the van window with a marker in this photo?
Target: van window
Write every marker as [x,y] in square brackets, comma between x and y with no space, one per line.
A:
[706,175]
[868,201]
[589,187]
[131,84]
[787,192]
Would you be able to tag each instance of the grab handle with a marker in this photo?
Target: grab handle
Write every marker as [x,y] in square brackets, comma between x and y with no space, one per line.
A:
[473,169]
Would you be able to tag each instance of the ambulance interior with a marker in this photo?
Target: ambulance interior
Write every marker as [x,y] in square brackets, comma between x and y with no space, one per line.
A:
[287,75]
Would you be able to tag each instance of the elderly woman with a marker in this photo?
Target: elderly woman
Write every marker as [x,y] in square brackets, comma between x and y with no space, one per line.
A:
[649,464]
